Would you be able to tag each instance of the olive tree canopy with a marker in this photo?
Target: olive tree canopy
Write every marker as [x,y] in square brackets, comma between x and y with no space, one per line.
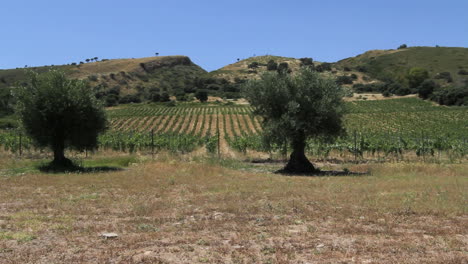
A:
[59,113]
[296,107]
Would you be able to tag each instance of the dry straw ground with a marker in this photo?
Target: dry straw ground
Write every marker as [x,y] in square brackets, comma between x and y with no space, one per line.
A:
[180,211]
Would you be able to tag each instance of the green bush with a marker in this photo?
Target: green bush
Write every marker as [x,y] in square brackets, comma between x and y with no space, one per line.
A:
[165,97]
[272,65]
[426,89]
[253,65]
[202,96]
[403,46]
[283,68]
[463,72]
[344,80]
[130,98]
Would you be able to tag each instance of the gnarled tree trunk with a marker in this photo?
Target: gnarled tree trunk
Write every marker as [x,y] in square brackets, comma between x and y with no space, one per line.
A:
[59,155]
[298,162]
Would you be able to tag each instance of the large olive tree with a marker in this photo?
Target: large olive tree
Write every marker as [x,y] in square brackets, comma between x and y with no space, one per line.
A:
[60,113]
[296,107]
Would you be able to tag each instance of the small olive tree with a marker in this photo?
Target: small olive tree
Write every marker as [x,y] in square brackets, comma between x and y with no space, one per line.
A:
[60,113]
[295,108]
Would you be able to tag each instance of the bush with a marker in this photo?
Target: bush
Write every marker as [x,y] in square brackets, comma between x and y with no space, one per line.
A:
[253,65]
[306,61]
[416,76]
[354,76]
[426,89]
[165,97]
[366,88]
[361,68]
[346,69]
[130,98]
[111,100]
[155,97]
[272,65]
[451,96]
[386,94]
[403,46]
[283,68]
[323,67]
[344,80]
[463,72]
[202,96]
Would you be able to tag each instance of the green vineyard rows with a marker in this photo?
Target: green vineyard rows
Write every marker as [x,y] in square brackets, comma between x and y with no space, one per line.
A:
[387,127]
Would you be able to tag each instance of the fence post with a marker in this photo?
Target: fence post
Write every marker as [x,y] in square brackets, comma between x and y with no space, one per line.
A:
[355,146]
[152,144]
[217,131]
[20,144]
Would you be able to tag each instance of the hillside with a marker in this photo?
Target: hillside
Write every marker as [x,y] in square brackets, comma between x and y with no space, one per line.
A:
[122,80]
[241,69]
[395,64]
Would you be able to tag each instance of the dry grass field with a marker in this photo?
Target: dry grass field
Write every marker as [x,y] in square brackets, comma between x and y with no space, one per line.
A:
[181,210]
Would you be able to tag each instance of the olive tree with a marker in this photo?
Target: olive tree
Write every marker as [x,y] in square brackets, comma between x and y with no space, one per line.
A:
[295,108]
[60,113]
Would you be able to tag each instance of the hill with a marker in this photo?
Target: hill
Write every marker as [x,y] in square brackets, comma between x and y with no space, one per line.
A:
[395,64]
[120,80]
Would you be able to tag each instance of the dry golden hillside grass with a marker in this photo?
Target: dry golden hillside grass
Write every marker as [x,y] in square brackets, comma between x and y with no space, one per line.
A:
[115,66]
[175,211]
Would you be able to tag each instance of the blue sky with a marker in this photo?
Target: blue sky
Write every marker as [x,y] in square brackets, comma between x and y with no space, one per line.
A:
[216,33]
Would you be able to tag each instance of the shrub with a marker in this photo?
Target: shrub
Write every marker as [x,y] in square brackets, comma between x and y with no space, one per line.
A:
[403,46]
[283,67]
[451,96]
[111,100]
[354,76]
[253,65]
[361,68]
[181,97]
[416,76]
[155,97]
[346,69]
[344,80]
[426,89]
[306,62]
[386,94]
[272,65]
[130,98]
[202,96]
[165,97]
[463,72]
[323,67]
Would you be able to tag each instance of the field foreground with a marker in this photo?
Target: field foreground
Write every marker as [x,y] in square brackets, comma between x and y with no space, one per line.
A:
[187,212]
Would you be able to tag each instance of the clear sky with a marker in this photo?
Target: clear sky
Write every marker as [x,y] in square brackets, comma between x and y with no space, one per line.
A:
[214,33]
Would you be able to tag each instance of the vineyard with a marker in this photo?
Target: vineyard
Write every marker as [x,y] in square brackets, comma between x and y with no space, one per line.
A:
[375,129]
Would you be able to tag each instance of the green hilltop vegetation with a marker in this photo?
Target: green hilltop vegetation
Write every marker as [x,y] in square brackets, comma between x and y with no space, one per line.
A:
[381,64]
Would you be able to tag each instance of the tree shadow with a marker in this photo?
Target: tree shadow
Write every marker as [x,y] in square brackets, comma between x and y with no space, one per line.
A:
[51,168]
[320,173]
